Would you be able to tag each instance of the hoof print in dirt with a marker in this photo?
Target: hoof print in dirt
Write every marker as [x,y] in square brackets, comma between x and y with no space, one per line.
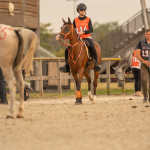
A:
[9,117]
[134,107]
[147,106]
[19,117]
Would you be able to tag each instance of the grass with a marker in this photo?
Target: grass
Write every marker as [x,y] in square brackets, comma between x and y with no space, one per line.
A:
[101,89]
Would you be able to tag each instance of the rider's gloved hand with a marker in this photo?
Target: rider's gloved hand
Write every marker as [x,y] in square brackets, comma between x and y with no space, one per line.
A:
[80,33]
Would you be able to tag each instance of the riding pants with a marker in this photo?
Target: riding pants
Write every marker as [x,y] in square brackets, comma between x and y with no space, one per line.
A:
[91,48]
[137,77]
[145,77]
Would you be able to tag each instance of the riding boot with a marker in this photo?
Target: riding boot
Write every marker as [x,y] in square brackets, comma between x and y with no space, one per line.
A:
[66,67]
[97,67]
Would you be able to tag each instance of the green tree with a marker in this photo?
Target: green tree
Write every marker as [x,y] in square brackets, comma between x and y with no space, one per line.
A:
[46,35]
[102,30]
[48,41]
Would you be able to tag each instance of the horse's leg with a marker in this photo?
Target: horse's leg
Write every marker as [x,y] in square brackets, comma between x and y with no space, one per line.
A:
[88,77]
[96,75]
[78,78]
[10,79]
[20,86]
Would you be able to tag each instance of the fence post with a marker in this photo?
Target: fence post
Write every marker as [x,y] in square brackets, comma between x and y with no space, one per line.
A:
[123,89]
[59,78]
[41,78]
[108,76]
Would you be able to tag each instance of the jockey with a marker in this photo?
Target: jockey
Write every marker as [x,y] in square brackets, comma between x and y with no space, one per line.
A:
[83,26]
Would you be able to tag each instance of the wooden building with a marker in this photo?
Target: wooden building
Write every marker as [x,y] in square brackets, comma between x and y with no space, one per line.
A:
[26,13]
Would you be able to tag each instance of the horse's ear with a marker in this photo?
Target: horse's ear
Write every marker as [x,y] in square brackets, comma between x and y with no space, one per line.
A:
[63,20]
[115,68]
[69,20]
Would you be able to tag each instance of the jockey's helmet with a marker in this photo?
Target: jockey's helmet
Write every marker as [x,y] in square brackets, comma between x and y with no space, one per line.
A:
[81,6]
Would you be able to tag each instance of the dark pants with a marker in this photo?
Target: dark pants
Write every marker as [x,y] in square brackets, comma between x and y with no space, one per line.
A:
[91,49]
[137,77]
[145,76]
[2,88]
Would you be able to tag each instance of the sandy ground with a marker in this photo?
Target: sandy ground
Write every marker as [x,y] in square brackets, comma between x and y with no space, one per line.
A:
[58,124]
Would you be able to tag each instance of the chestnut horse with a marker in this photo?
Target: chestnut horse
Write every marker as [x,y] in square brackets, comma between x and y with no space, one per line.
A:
[78,60]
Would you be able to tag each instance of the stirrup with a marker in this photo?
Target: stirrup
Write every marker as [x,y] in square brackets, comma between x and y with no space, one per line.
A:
[64,69]
[97,67]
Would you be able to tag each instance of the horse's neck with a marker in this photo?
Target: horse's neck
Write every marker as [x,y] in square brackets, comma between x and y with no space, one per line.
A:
[123,65]
[126,61]
[74,39]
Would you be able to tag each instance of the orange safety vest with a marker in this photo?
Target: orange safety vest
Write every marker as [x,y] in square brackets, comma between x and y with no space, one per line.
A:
[81,26]
[135,61]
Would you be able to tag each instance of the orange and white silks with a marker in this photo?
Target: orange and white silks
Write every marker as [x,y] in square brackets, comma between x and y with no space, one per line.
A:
[81,26]
[135,61]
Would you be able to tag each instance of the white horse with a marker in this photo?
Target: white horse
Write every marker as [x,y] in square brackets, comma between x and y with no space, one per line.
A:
[122,66]
[17,48]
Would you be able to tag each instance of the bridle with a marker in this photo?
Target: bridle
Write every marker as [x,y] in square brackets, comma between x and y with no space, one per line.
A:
[66,34]
[71,56]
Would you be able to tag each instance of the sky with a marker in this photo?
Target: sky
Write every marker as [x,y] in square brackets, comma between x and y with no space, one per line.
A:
[101,11]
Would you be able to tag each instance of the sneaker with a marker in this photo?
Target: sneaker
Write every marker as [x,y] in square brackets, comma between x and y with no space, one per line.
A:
[144,99]
[140,95]
[3,102]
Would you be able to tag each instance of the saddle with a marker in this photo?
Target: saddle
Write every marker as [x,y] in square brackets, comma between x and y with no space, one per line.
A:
[87,47]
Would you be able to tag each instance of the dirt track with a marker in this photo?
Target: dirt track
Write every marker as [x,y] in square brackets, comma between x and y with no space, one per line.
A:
[58,124]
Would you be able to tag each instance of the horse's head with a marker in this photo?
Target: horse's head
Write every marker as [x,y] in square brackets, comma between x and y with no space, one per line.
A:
[66,30]
[120,76]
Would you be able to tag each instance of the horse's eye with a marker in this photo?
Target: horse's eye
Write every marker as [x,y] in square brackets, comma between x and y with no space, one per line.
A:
[67,28]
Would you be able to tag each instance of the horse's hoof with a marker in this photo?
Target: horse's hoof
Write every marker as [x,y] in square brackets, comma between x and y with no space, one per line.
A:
[9,117]
[78,101]
[93,103]
[19,116]
[91,98]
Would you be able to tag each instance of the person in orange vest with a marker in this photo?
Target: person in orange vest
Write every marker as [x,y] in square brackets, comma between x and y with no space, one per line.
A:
[84,28]
[136,74]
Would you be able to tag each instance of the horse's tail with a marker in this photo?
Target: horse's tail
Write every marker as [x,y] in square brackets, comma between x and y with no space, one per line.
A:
[26,61]
[20,49]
